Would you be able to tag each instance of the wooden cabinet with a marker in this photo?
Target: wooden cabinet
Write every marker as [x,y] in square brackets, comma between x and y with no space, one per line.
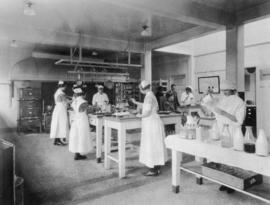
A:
[29,117]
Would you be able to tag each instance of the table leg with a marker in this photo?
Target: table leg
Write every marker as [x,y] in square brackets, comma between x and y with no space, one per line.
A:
[107,146]
[176,161]
[122,151]
[99,139]
[199,179]
[178,125]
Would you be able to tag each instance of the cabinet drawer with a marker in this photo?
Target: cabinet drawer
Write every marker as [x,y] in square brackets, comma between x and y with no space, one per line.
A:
[30,112]
[30,93]
[30,123]
[30,104]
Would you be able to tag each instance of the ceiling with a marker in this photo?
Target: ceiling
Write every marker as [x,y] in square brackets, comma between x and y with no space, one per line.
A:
[232,5]
[115,26]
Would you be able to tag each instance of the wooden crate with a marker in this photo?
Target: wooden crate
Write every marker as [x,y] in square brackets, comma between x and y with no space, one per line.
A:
[232,176]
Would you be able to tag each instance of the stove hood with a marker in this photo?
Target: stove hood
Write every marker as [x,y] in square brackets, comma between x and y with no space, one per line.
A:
[40,69]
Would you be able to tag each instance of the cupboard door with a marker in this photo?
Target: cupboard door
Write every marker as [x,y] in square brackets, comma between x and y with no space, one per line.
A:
[6,175]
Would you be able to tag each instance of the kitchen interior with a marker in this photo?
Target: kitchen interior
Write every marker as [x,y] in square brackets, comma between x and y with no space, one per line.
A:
[117,45]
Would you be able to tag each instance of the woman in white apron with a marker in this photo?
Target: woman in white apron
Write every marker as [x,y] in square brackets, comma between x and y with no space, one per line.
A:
[229,110]
[59,125]
[152,149]
[80,140]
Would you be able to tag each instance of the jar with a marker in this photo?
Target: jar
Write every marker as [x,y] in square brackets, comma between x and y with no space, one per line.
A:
[238,140]
[249,140]
[225,136]
[262,146]
[214,133]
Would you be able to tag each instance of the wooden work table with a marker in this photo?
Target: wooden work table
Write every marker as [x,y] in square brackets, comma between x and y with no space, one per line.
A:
[212,151]
[190,109]
[122,124]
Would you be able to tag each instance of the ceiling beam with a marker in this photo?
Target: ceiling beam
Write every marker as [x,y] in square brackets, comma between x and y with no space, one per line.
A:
[180,37]
[29,34]
[185,10]
[43,55]
[254,13]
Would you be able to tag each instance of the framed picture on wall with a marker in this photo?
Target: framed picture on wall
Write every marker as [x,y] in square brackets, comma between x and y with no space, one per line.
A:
[209,83]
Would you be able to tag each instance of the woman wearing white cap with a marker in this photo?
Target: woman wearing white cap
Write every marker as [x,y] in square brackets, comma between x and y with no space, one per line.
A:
[152,149]
[80,141]
[59,124]
[187,98]
[100,99]
[230,110]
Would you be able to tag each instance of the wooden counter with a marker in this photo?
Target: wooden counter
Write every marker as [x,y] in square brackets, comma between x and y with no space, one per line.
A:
[122,124]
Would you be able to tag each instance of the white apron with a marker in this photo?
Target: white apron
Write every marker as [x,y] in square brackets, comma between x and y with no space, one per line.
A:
[235,106]
[59,123]
[80,140]
[152,148]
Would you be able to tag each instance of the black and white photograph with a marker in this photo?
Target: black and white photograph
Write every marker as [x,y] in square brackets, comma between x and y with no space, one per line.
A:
[134,102]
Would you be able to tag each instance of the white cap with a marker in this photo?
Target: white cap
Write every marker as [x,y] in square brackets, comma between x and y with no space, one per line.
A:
[77,90]
[60,82]
[100,87]
[190,87]
[227,85]
[144,83]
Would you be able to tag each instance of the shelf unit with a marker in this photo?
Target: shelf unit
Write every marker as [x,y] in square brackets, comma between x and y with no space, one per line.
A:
[260,192]
[125,91]
[162,83]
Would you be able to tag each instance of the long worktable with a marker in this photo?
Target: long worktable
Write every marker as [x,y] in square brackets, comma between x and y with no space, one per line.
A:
[122,124]
[212,151]
[97,120]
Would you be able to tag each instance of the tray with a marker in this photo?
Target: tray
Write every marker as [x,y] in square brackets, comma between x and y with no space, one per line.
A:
[164,112]
[103,113]
[233,176]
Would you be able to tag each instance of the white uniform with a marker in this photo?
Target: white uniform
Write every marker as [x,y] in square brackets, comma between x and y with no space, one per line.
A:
[100,99]
[187,99]
[80,140]
[152,148]
[59,124]
[234,106]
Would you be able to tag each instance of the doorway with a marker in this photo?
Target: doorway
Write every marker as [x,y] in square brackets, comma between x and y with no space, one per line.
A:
[250,85]
[180,84]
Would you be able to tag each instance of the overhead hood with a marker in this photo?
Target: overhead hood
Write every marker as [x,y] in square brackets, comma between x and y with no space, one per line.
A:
[37,69]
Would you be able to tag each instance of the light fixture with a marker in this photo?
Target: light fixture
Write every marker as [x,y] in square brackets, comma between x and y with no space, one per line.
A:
[13,44]
[146,31]
[28,9]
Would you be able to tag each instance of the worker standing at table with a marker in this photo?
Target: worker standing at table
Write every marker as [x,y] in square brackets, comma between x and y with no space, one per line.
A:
[187,98]
[152,149]
[229,109]
[80,140]
[59,124]
[173,97]
[100,99]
